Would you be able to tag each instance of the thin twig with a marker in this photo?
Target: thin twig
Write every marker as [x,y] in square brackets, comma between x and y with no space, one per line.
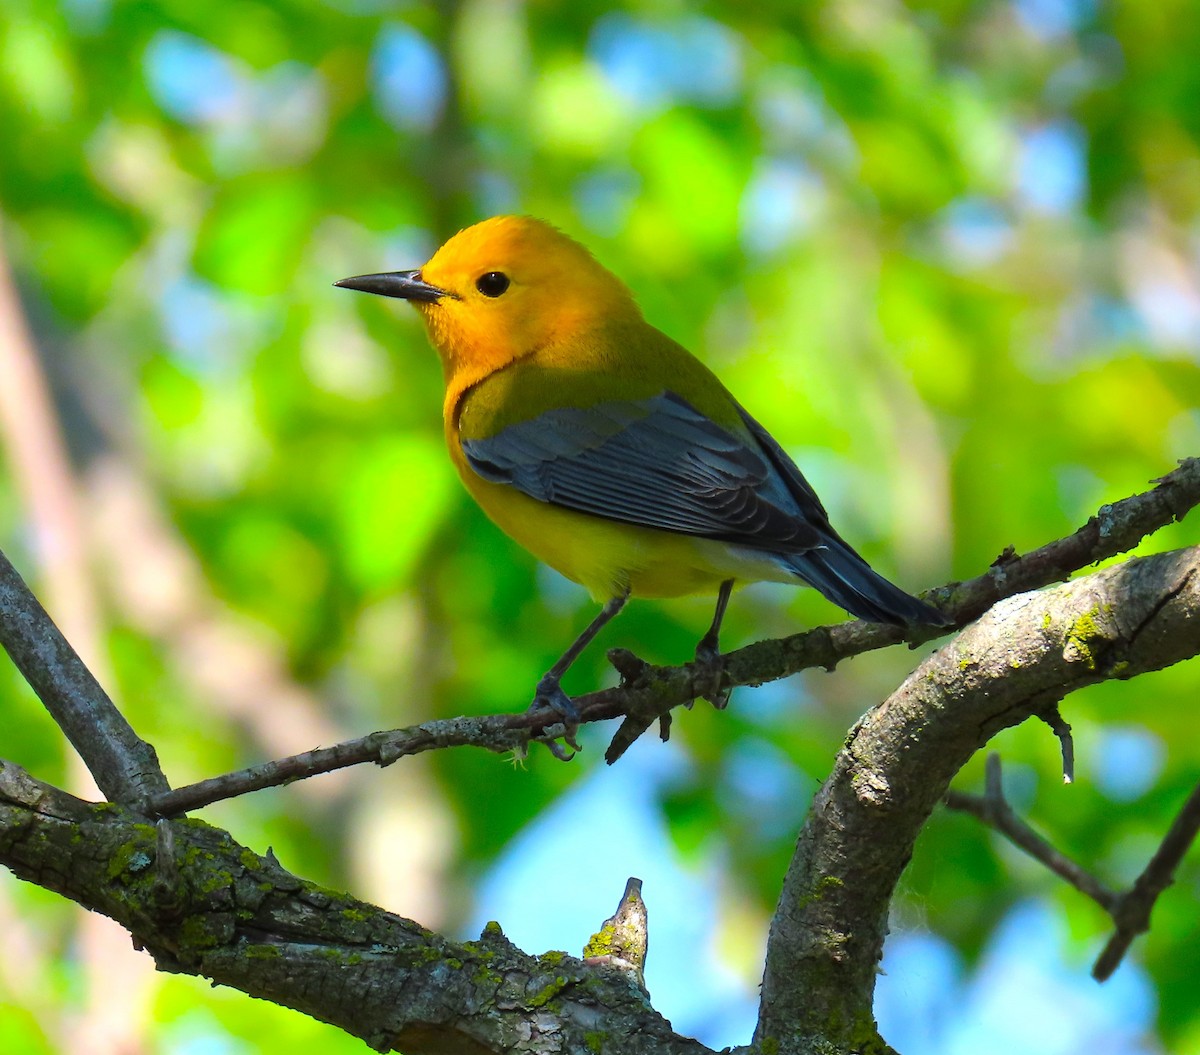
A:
[1132,913]
[994,810]
[1052,716]
[497,732]
[1115,528]
[125,767]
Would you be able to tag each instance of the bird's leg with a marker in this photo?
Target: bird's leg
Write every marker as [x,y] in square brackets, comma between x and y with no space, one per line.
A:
[708,653]
[708,646]
[549,692]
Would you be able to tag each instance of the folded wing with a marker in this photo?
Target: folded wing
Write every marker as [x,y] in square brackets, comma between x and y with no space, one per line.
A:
[660,463]
[657,463]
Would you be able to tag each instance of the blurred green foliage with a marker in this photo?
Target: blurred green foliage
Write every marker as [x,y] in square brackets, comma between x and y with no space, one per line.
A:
[946,251]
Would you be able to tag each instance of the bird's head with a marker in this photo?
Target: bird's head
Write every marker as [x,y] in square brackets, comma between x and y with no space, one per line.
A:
[507,288]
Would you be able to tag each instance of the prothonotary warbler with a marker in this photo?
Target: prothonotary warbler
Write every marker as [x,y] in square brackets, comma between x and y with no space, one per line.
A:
[608,450]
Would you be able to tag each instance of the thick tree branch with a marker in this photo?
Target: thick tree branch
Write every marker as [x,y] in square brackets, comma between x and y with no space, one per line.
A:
[649,693]
[201,904]
[124,766]
[1020,658]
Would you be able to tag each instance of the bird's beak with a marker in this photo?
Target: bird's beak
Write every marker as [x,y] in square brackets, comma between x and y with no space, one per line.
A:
[407,285]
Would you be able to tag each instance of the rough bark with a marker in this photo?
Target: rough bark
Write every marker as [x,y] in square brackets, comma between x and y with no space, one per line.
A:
[202,904]
[1017,661]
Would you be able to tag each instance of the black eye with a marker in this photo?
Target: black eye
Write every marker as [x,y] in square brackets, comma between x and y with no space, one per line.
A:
[492,284]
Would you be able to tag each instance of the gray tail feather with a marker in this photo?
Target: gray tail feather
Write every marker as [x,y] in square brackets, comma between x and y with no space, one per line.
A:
[850,582]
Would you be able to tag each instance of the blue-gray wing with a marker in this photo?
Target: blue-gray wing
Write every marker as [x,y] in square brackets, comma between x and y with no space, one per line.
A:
[657,463]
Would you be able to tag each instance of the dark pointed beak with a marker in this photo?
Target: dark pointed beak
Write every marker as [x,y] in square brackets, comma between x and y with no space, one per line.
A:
[407,285]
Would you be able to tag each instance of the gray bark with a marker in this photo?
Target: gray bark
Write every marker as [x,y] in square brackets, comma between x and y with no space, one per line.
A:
[1017,661]
[202,904]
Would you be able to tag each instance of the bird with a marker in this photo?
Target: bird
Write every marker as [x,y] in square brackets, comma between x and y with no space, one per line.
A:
[608,450]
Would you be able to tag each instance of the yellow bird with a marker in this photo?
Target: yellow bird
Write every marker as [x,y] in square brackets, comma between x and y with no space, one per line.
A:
[605,448]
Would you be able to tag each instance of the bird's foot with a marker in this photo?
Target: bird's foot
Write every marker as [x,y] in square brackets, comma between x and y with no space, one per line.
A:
[710,675]
[549,693]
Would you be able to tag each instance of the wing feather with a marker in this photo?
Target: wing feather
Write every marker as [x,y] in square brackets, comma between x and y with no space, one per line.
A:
[658,463]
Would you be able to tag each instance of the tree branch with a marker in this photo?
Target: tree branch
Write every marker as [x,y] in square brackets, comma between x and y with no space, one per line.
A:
[1131,910]
[1020,658]
[124,766]
[648,693]
[1116,528]
[993,809]
[201,904]
[494,732]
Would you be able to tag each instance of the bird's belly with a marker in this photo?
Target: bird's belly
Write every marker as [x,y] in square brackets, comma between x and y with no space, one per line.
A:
[608,556]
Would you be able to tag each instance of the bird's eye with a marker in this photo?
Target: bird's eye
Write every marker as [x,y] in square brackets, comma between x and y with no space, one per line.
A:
[492,284]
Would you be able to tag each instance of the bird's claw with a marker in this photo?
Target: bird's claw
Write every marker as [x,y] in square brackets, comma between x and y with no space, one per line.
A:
[710,672]
[550,694]
[560,752]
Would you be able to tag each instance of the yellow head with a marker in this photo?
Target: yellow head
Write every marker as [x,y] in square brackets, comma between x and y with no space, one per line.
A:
[504,289]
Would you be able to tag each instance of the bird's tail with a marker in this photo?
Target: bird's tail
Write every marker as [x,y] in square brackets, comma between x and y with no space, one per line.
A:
[850,582]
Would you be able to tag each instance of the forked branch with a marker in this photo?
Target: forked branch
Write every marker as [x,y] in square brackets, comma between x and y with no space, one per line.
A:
[995,811]
[1129,910]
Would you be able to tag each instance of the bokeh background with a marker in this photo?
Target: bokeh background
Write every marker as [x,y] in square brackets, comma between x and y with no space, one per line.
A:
[948,252]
